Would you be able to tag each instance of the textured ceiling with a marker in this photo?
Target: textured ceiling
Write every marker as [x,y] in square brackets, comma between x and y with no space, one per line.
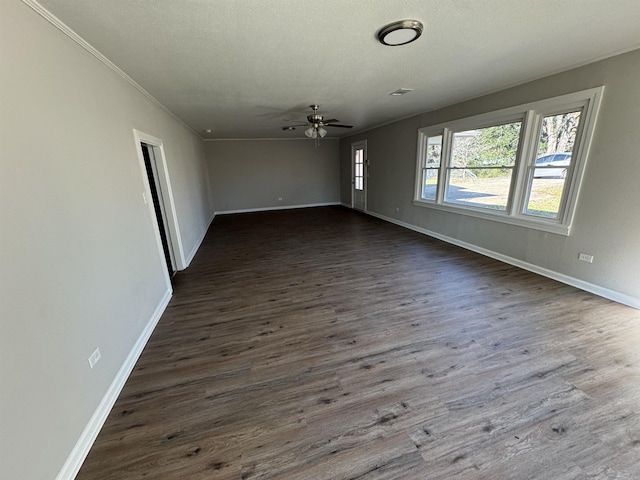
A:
[245,68]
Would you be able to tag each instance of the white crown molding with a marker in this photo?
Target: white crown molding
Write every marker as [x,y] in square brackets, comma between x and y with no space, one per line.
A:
[60,25]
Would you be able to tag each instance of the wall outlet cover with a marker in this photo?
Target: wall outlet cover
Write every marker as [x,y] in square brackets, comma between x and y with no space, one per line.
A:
[94,357]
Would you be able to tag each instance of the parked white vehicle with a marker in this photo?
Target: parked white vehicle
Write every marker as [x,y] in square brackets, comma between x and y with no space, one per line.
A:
[554,165]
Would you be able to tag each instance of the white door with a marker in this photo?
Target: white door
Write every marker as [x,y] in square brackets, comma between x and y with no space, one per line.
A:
[359,175]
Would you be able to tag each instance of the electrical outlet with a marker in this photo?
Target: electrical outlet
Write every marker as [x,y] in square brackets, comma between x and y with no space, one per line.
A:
[94,357]
[279,199]
[585,258]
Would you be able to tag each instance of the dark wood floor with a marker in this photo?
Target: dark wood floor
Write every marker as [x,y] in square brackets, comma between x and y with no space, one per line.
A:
[326,344]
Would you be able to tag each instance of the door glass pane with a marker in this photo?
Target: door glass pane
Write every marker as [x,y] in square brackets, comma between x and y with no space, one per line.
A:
[552,165]
[431,166]
[482,163]
[358,174]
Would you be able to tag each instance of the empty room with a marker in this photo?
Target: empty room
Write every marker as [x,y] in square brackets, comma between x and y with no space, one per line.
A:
[250,239]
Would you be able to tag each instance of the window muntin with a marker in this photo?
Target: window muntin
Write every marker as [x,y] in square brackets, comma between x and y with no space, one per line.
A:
[529,199]
[482,164]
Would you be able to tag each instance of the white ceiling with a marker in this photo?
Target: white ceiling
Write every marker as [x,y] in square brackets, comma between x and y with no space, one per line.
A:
[246,68]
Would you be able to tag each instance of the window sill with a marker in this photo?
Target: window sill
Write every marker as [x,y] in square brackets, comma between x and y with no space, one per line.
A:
[519,221]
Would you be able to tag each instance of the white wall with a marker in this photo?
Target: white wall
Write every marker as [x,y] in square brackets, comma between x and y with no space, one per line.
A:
[254,174]
[606,222]
[79,263]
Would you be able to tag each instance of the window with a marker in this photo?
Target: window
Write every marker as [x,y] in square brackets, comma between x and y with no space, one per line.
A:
[431,167]
[481,166]
[521,165]
[553,159]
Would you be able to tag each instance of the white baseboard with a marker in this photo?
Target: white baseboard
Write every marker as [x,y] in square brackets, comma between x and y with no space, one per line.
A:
[560,277]
[348,205]
[77,456]
[195,248]
[285,207]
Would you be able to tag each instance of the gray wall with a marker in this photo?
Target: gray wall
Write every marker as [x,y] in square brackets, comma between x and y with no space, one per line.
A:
[606,223]
[79,263]
[254,174]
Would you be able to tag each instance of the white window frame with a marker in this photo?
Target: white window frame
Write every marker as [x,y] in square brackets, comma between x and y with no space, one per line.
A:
[531,115]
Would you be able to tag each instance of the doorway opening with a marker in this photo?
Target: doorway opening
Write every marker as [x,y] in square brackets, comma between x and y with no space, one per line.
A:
[158,206]
[160,199]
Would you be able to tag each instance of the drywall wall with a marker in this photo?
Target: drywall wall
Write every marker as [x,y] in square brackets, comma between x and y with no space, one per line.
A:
[79,262]
[256,174]
[606,222]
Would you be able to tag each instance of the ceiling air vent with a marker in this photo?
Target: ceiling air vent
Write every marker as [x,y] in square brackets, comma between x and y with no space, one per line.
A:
[401,91]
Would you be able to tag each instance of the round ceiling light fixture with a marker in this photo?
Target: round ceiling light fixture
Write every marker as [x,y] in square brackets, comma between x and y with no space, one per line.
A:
[400,33]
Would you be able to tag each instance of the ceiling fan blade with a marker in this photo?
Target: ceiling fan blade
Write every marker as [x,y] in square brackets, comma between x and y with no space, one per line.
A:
[330,121]
[296,125]
[336,125]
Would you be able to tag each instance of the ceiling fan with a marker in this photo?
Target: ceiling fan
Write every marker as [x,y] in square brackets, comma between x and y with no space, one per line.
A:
[316,123]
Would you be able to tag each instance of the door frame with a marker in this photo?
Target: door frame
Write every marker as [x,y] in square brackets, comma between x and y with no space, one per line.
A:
[166,199]
[365,172]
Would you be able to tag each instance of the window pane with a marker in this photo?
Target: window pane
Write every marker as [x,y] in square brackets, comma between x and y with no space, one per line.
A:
[358,183]
[555,145]
[479,188]
[429,183]
[544,197]
[495,146]
[432,163]
[482,165]
[555,148]
[434,150]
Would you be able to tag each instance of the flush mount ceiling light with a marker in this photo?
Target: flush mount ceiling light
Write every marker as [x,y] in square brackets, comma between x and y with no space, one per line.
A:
[400,33]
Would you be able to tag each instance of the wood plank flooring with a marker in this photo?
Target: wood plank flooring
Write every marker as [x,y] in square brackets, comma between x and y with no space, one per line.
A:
[326,344]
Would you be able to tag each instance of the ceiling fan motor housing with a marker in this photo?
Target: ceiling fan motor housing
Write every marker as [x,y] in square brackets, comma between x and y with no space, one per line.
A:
[316,124]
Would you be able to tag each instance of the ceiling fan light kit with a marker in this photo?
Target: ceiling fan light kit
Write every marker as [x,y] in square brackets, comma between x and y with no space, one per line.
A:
[313,132]
[400,33]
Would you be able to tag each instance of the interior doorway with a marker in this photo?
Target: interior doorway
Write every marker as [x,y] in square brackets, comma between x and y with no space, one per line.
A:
[158,206]
[159,197]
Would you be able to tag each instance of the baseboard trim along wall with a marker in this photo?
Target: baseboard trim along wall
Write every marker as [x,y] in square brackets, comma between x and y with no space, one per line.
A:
[196,247]
[285,207]
[77,456]
[560,277]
